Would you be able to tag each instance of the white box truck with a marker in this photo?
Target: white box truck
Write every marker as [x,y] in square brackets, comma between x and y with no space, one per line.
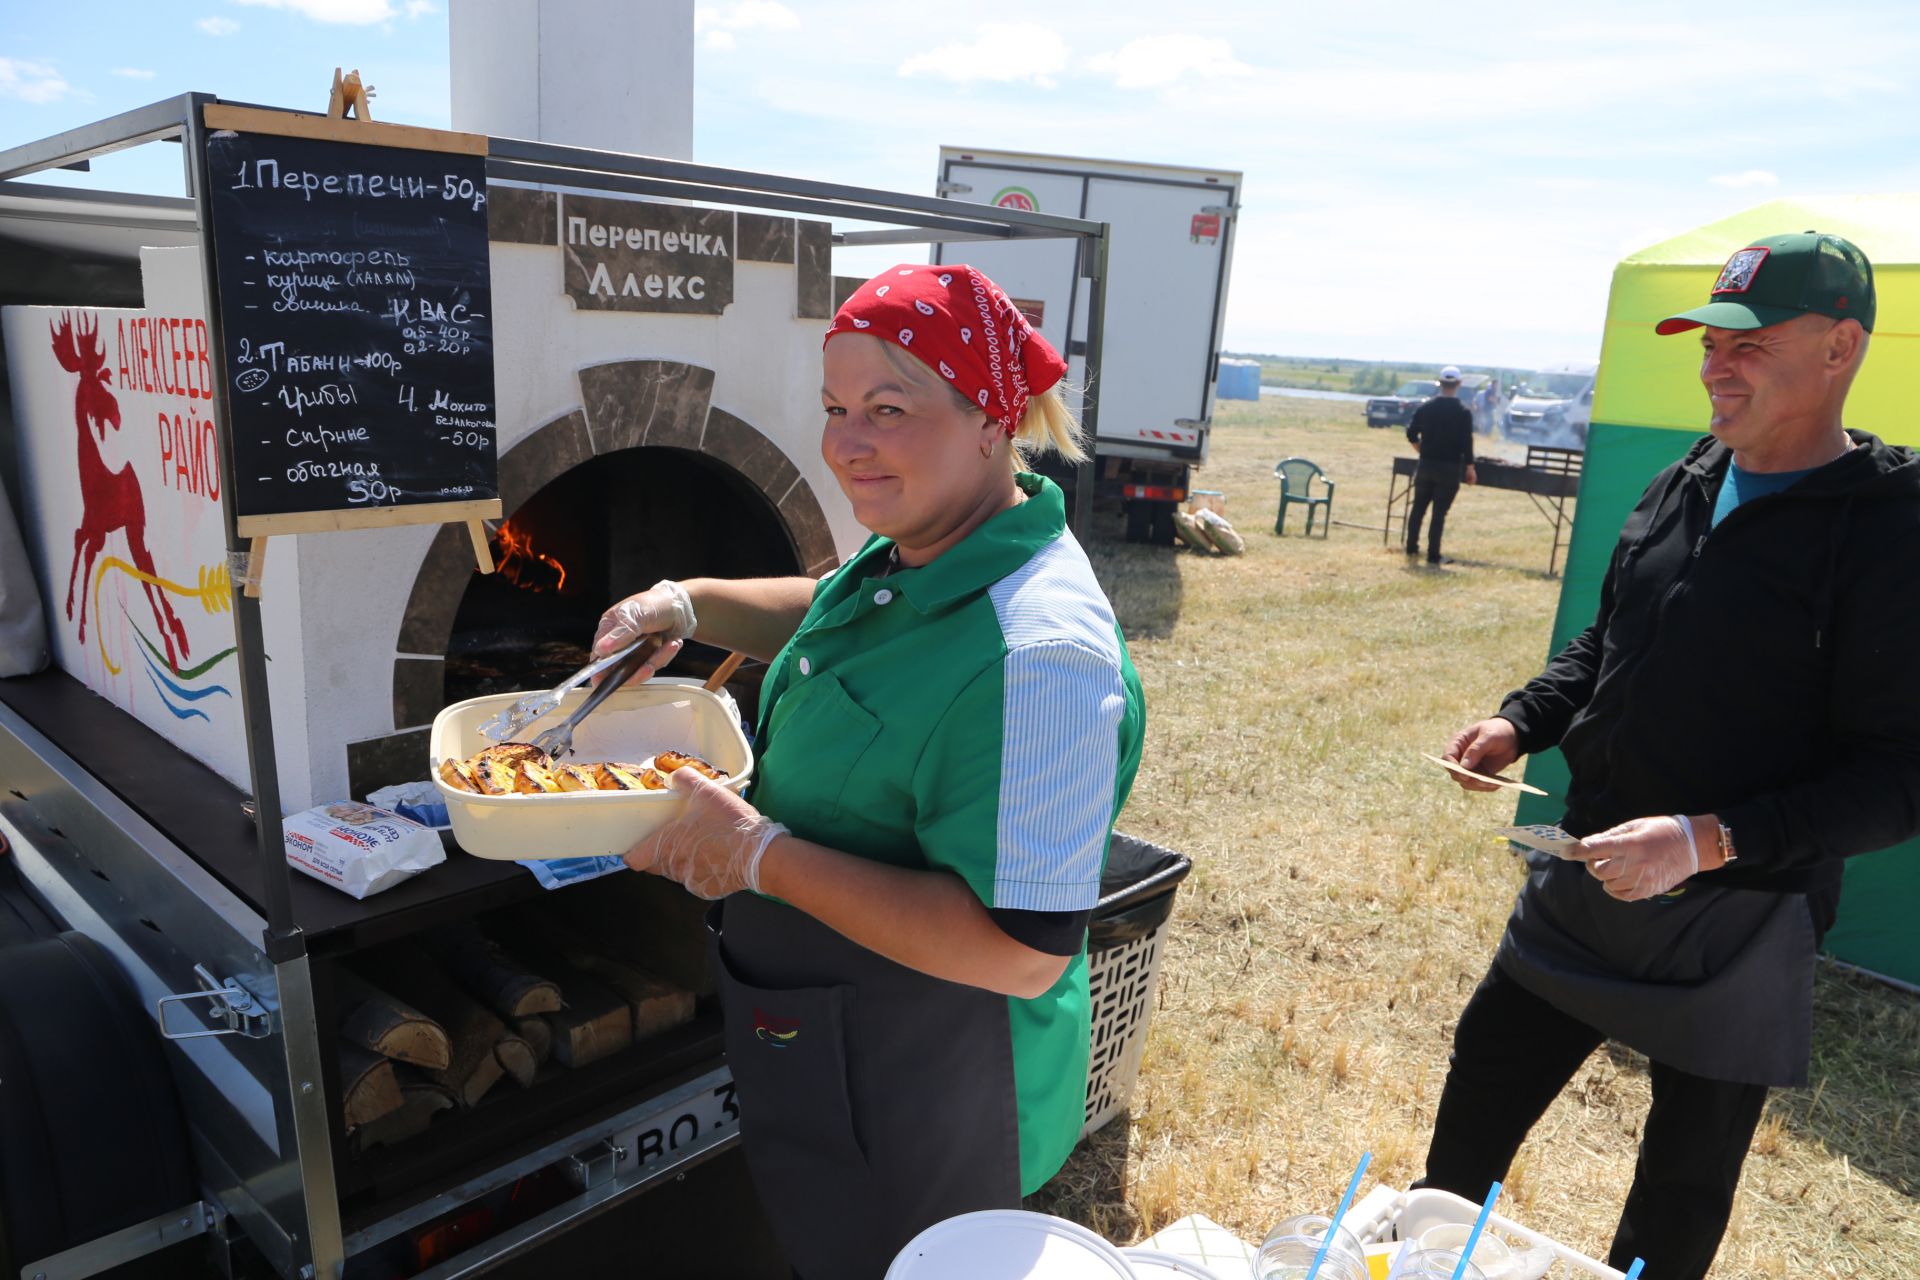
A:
[1169,257]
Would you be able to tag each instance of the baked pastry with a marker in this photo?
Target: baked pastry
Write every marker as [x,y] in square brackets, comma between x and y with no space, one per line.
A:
[520,768]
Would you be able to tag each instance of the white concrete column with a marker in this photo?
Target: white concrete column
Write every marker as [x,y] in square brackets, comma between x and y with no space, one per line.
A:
[611,74]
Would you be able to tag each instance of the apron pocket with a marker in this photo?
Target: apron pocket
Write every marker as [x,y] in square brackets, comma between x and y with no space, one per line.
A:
[787,1049]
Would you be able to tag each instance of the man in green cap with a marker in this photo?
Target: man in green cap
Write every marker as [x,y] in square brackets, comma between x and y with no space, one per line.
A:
[1743,714]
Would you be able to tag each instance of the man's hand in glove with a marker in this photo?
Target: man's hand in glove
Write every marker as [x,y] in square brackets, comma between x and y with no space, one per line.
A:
[714,849]
[1642,858]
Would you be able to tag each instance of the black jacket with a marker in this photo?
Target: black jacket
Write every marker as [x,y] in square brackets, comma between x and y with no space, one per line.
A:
[1442,429]
[1767,670]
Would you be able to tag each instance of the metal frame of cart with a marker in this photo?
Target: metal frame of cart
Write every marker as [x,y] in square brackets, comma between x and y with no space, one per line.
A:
[257,1070]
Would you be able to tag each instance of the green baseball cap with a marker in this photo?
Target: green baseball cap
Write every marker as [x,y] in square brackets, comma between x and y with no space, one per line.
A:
[1781,277]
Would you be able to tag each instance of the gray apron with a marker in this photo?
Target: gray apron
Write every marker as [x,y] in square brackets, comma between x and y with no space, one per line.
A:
[1716,982]
[875,1101]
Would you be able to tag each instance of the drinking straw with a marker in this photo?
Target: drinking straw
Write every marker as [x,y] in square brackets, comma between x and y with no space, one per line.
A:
[1633,1272]
[1400,1258]
[1479,1225]
[1326,1241]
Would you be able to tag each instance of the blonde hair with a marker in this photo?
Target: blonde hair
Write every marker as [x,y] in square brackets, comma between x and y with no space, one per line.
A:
[1048,425]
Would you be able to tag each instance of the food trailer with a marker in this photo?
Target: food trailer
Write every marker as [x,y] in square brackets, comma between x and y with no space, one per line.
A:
[259,437]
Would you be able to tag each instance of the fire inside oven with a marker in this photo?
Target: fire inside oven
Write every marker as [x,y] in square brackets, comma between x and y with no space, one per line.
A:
[605,529]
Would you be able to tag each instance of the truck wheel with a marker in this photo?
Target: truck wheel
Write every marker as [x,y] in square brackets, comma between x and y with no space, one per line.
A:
[1139,520]
[95,1140]
[1160,531]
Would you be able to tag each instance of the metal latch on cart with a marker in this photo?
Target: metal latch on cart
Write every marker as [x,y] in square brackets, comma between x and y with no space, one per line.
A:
[591,1166]
[237,1011]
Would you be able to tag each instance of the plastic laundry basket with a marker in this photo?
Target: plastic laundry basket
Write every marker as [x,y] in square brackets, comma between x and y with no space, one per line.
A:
[1123,967]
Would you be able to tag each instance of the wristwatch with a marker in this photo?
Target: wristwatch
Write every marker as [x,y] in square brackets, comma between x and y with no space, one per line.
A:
[1727,852]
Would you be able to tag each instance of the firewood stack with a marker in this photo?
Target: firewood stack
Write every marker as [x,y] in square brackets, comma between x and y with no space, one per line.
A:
[434,1023]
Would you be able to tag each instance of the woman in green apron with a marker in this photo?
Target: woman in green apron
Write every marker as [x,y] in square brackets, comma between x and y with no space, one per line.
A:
[949,725]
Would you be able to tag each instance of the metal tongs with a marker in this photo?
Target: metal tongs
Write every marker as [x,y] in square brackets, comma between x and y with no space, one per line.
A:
[524,710]
[558,741]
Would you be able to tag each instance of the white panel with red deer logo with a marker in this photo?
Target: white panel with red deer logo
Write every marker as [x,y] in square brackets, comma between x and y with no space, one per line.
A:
[120,483]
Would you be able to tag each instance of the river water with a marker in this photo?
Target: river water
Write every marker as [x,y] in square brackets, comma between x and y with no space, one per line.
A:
[1309,393]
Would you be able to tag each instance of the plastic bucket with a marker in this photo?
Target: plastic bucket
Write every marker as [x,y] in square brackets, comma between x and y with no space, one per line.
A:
[1009,1244]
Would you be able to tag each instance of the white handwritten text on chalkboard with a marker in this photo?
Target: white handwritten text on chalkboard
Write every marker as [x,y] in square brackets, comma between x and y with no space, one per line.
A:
[358,350]
[268,173]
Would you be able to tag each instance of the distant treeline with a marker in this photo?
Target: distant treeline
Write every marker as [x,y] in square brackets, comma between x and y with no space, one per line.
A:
[1361,377]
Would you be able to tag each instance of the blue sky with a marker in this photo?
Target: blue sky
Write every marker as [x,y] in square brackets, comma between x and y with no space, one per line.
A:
[1446,183]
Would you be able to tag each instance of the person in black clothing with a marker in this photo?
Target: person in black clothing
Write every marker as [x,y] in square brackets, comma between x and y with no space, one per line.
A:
[1442,434]
[1750,674]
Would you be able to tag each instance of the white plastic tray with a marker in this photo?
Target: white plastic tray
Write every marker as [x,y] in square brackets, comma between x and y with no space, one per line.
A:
[1386,1214]
[666,713]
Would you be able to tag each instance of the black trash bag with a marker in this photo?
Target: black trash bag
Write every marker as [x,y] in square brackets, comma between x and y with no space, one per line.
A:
[1136,891]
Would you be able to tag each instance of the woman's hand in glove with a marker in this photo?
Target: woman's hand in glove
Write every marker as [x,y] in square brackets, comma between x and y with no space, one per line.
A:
[1640,859]
[664,610]
[714,849]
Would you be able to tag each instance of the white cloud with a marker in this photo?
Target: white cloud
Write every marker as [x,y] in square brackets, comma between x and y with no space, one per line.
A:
[35,82]
[1153,62]
[134,73]
[743,15]
[1003,52]
[218,26]
[722,41]
[1746,178]
[420,8]
[353,13]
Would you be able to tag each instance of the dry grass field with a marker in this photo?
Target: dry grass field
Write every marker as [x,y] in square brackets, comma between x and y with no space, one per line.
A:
[1346,898]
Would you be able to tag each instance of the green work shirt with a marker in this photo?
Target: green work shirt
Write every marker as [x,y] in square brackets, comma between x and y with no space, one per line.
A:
[979,715]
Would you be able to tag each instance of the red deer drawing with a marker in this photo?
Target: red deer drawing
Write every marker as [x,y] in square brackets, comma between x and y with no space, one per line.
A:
[111,498]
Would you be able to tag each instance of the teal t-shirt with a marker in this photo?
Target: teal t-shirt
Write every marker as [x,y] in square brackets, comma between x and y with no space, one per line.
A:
[1744,486]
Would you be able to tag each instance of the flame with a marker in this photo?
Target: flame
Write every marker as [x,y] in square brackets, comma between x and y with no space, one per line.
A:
[524,566]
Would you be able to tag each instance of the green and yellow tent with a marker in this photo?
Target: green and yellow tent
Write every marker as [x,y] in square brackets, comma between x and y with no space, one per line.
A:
[1649,407]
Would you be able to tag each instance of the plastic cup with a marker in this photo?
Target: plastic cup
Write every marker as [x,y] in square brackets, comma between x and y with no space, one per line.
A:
[1490,1253]
[1438,1264]
[1290,1248]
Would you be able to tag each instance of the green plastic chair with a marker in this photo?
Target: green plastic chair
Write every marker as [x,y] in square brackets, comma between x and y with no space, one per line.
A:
[1296,489]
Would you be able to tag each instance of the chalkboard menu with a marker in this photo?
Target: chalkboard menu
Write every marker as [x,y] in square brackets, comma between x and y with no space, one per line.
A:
[356,323]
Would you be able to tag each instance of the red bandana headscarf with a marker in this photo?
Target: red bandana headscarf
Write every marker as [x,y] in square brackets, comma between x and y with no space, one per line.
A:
[961,325]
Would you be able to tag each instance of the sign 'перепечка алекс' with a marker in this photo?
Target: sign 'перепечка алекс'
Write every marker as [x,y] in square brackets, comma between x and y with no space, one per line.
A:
[629,255]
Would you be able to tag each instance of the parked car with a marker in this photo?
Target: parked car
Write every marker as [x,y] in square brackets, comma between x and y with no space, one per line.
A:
[1552,407]
[1397,409]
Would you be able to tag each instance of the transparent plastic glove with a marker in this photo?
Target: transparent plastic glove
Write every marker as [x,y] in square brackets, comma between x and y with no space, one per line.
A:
[663,609]
[716,848]
[1642,858]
